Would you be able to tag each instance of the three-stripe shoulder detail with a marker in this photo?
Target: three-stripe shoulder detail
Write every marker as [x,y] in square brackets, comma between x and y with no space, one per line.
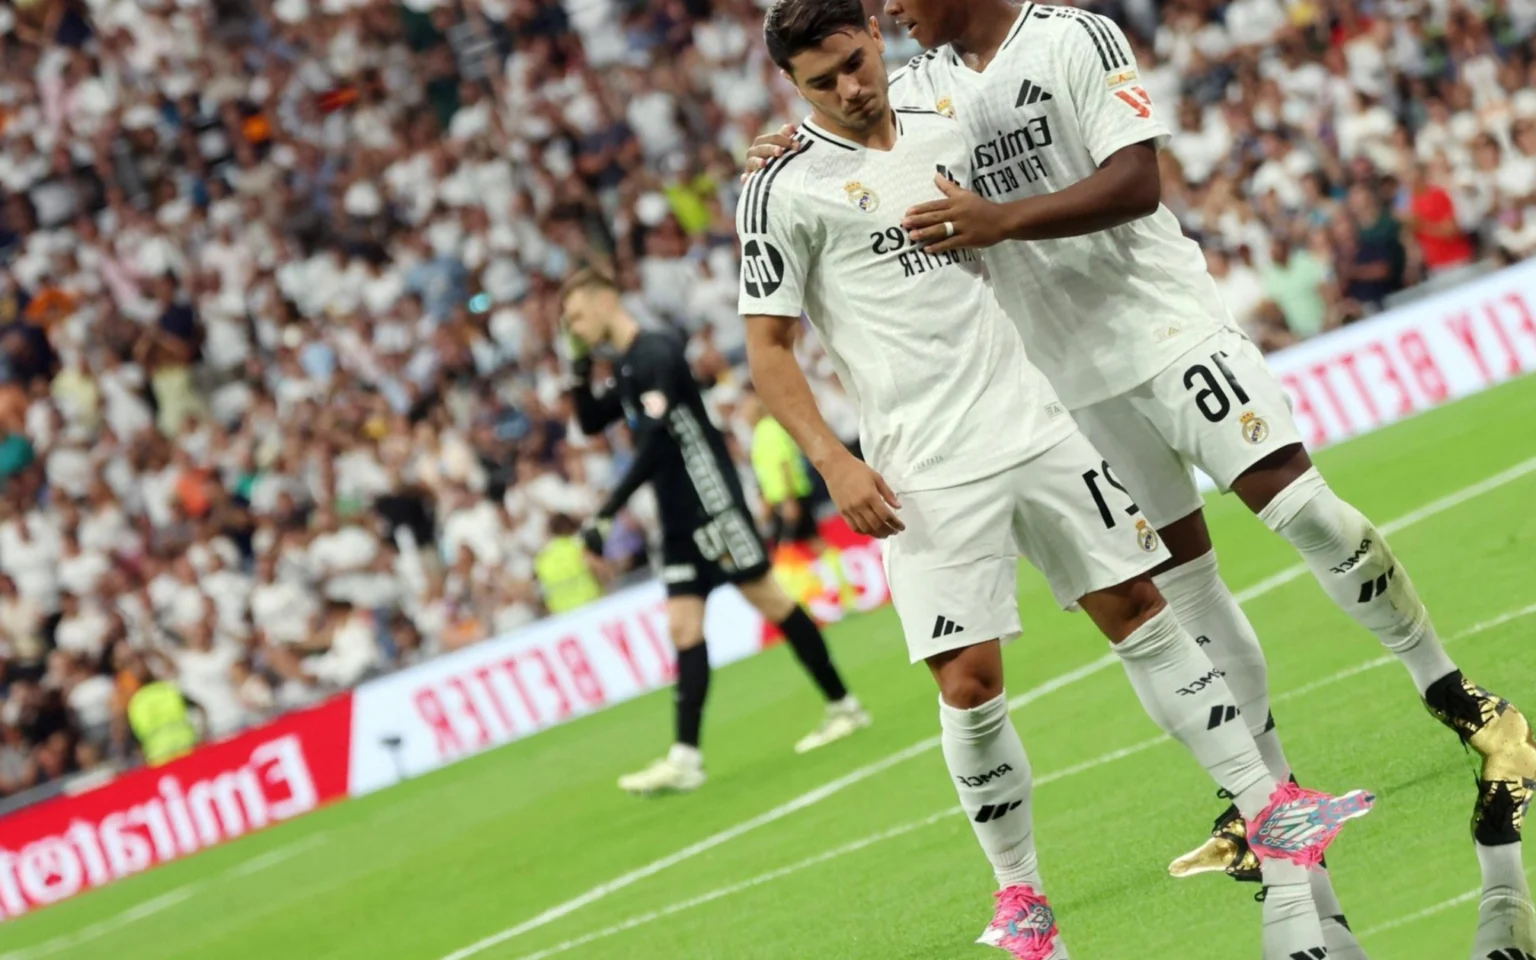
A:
[1111,55]
[1018,27]
[754,215]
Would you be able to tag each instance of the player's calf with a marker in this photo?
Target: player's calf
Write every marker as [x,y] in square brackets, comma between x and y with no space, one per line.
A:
[992,777]
[1188,697]
[1354,564]
[1352,561]
[845,715]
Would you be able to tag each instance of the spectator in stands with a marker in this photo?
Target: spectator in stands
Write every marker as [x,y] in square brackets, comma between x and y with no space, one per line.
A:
[1297,285]
[1372,253]
[1431,218]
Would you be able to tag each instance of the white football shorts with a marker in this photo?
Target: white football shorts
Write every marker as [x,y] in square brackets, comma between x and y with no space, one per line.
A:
[953,571]
[1218,407]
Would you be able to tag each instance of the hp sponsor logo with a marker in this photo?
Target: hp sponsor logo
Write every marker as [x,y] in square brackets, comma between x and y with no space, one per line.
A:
[762,268]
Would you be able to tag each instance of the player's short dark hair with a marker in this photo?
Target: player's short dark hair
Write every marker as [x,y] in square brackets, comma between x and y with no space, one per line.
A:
[587,278]
[793,26]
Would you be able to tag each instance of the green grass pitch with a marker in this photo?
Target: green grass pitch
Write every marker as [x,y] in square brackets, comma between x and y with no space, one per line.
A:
[429,868]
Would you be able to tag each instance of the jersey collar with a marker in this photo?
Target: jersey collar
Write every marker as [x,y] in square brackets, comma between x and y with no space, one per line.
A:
[815,131]
[1013,34]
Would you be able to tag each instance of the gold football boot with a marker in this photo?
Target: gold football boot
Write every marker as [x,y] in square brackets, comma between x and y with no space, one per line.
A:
[1499,733]
[1226,851]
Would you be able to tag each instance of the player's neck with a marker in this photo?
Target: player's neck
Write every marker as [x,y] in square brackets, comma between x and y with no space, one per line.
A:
[623,333]
[988,26]
[880,136]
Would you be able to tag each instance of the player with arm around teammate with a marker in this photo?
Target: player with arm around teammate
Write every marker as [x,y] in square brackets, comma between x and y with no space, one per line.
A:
[708,539]
[1118,308]
[971,462]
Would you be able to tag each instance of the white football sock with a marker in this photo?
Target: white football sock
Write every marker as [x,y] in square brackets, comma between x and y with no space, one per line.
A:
[1351,560]
[1337,936]
[1207,609]
[986,759]
[1185,695]
[1291,927]
[1506,921]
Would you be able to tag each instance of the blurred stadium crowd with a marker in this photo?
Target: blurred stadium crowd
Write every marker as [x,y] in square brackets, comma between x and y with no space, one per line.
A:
[281,407]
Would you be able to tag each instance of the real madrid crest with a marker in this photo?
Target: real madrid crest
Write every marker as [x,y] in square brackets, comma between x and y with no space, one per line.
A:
[1255,430]
[1146,536]
[945,106]
[861,196]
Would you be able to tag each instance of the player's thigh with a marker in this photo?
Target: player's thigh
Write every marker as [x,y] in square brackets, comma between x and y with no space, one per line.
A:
[1223,409]
[1136,458]
[685,620]
[953,570]
[688,578]
[1081,537]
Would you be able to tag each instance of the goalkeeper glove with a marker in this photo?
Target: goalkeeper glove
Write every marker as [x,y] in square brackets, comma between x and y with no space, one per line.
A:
[579,354]
[594,532]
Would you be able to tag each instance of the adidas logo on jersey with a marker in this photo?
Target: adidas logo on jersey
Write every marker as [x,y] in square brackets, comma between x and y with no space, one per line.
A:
[943,627]
[1031,92]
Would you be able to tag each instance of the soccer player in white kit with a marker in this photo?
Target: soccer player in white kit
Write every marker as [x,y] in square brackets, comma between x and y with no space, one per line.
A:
[1117,307]
[972,461]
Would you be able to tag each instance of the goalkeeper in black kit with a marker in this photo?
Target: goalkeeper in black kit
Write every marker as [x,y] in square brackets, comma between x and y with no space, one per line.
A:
[708,539]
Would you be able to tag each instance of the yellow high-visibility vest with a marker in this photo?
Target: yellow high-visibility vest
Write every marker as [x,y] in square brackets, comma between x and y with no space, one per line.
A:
[772,450]
[158,716]
[563,575]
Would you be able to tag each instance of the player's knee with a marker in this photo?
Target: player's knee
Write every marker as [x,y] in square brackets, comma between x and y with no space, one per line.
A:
[1312,517]
[1187,539]
[1145,601]
[968,678]
[685,622]
[967,692]
[1120,611]
[769,598]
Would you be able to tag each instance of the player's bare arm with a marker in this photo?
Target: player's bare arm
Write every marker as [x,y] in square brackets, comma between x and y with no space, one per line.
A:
[861,495]
[1127,187]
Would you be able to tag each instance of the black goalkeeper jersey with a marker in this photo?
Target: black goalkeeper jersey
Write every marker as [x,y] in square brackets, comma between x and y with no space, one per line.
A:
[677,447]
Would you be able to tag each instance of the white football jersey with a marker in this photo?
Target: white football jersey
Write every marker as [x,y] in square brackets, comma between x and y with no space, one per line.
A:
[945,392]
[1101,313]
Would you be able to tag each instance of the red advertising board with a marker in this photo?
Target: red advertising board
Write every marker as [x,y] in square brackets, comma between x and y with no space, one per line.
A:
[66,845]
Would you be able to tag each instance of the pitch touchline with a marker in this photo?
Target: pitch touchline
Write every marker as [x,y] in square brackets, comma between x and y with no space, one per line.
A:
[815,796]
[931,819]
[163,902]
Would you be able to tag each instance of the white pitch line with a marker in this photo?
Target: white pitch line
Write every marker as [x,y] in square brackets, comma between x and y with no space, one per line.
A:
[1441,907]
[734,888]
[815,796]
[1102,761]
[273,857]
[163,902]
[1427,912]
